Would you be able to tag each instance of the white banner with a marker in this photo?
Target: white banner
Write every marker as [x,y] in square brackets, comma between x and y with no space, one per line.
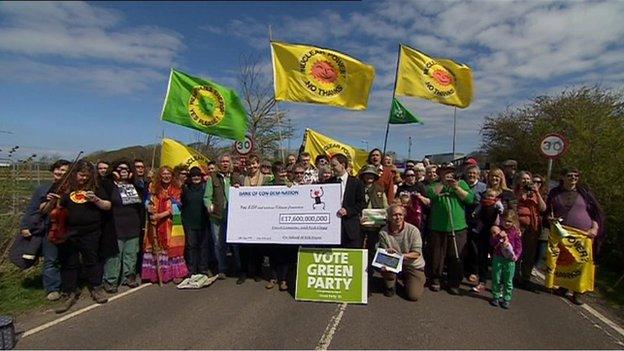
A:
[301,214]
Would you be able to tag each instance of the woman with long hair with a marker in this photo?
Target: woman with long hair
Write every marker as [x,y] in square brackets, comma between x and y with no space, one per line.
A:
[496,181]
[530,208]
[164,236]
[84,203]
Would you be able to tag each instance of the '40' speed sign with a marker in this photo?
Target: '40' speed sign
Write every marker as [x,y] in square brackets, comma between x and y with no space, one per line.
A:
[553,145]
[243,147]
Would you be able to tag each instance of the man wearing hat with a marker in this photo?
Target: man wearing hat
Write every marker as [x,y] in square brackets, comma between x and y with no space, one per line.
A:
[447,239]
[509,168]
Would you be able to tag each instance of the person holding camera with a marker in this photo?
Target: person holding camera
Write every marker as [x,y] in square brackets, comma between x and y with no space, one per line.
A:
[447,238]
[529,208]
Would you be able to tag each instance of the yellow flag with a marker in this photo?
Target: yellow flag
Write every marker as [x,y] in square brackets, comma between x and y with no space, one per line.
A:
[321,76]
[569,260]
[441,80]
[318,144]
[174,153]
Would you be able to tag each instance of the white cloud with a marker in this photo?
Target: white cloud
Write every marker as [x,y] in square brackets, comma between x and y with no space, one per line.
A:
[80,31]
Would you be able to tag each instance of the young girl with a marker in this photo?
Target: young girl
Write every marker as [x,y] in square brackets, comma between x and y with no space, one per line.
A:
[507,246]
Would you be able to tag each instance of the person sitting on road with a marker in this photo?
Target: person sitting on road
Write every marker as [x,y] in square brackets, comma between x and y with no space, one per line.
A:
[404,238]
[507,247]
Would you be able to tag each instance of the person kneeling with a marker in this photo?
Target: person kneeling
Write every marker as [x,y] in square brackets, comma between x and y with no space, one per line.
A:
[404,238]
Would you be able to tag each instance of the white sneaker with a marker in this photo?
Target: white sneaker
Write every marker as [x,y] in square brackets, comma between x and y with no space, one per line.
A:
[53,296]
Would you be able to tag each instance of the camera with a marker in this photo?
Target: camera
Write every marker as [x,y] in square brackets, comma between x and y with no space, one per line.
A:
[528,187]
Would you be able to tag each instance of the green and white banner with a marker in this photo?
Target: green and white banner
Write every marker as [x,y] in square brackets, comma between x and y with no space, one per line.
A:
[332,275]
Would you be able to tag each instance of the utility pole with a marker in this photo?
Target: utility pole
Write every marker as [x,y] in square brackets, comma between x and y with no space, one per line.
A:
[409,149]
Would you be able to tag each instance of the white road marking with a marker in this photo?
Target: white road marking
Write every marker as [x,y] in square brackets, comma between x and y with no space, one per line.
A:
[586,307]
[328,335]
[81,311]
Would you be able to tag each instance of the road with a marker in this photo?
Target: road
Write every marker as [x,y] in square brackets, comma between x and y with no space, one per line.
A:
[227,316]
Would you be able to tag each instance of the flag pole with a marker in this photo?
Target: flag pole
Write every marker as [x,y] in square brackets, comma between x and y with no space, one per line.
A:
[277,111]
[454,130]
[396,73]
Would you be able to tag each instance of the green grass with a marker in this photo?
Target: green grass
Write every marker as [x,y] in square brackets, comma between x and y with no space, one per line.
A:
[605,282]
[21,291]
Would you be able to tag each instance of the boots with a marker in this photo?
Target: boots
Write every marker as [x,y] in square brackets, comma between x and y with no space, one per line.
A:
[67,301]
[98,295]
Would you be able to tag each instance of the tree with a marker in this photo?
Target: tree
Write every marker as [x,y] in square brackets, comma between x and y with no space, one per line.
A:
[267,125]
[592,119]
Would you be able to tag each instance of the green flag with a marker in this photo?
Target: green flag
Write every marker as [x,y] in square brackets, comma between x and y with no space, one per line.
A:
[203,105]
[400,115]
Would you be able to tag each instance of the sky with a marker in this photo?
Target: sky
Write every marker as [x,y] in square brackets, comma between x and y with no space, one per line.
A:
[93,76]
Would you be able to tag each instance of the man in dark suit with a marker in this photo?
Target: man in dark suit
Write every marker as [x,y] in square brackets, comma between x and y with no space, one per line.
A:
[352,203]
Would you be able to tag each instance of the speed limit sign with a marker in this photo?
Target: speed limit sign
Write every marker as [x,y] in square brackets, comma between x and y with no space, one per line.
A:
[553,145]
[243,147]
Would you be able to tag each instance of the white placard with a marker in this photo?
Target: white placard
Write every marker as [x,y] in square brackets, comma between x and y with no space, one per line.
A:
[301,214]
[393,262]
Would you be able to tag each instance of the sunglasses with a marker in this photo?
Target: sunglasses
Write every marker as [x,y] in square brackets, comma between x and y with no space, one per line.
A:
[572,176]
[184,173]
[299,172]
[539,181]
[122,168]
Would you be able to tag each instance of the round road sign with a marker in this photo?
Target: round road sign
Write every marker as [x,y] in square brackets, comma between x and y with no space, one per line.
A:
[243,147]
[553,145]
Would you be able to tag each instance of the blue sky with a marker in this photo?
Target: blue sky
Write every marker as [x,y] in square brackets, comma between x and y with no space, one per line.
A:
[89,76]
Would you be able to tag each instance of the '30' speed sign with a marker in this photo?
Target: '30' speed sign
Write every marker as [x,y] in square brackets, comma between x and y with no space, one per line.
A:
[243,147]
[553,145]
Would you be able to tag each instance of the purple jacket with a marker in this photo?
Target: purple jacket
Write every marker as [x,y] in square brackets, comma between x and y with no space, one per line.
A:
[516,244]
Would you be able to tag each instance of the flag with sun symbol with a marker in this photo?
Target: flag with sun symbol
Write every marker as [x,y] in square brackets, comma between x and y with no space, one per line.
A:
[316,75]
[441,80]
[203,105]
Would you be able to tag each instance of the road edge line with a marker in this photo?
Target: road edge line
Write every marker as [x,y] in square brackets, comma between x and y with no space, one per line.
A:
[592,311]
[328,335]
[80,311]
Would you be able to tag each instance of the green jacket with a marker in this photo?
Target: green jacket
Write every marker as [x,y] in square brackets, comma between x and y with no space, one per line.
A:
[217,192]
[439,217]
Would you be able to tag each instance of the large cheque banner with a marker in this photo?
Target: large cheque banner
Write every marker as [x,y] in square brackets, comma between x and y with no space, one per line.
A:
[332,275]
[302,214]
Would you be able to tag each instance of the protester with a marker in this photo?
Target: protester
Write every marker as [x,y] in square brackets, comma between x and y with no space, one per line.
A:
[83,200]
[311,174]
[291,159]
[208,171]
[352,197]
[431,174]
[216,201]
[35,223]
[496,181]
[487,215]
[539,182]
[420,170]
[281,256]
[509,169]
[476,242]
[448,228]
[412,195]
[102,167]
[163,241]
[325,174]
[530,208]
[321,160]
[140,176]
[266,169]
[196,224]
[298,174]
[180,173]
[386,178]
[403,238]
[387,161]
[125,225]
[375,198]
[250,255]
[577,208]
[507,248]
[409,164]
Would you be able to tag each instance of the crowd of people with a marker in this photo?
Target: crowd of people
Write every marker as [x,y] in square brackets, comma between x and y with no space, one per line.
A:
[117,223]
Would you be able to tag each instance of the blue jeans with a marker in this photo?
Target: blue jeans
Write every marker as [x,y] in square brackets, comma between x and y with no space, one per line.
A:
[218,238]
[51,267]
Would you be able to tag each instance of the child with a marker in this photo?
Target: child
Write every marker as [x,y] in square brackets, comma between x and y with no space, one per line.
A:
[507,245]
